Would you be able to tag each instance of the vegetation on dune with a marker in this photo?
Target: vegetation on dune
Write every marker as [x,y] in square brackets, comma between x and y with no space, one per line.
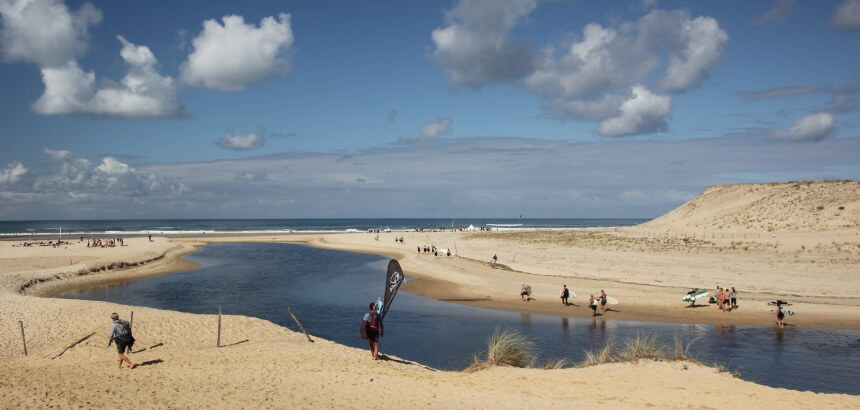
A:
[509,348]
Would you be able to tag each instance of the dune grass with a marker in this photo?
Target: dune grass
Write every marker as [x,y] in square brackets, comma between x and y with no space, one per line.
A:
[510,348]
[505,348]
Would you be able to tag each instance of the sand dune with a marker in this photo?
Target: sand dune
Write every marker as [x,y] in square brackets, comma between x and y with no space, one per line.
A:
[811,206]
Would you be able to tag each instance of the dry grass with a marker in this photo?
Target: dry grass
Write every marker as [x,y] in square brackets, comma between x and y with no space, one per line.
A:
[505,348]
[682,350]
[641,347]
[556,364]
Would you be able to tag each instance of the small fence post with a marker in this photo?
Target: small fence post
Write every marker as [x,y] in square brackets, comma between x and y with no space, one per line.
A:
[131,320]
[219,326]
[23,340]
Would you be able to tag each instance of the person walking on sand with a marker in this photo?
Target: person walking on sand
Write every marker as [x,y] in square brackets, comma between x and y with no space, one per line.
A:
[494,261]
[374,329]
[526,292]
[592,303]
[565,293]
[602,300]
[120,334]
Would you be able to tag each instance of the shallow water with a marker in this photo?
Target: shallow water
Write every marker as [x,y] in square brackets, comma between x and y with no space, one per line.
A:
[330,290]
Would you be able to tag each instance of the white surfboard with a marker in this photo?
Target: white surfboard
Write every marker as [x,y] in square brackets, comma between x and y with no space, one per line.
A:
[695,296]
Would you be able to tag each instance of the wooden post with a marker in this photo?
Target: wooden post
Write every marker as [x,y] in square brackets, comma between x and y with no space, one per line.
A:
[131,321]
[219,326]
[299,323]
[73,345]
[23,341]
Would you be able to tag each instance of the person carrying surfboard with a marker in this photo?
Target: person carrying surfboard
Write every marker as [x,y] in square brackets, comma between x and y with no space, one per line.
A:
[374,329]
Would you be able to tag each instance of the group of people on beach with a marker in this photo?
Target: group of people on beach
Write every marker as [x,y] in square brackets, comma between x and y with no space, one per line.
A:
[727,300]
[28,244]
[434,250]
[593,302]
[105,243]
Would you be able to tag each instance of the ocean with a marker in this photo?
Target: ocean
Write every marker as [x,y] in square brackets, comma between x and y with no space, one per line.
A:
[265,226]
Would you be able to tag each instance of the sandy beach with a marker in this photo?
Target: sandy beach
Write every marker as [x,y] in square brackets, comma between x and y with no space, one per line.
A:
[809,256]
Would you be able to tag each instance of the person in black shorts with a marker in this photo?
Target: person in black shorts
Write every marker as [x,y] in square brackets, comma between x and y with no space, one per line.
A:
[374,329]
[120,334]
[592,302]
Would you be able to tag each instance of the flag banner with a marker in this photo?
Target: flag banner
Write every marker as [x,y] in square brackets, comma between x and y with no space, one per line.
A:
[392,284]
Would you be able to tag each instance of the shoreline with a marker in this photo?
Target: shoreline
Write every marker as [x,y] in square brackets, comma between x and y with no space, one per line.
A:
[431,281]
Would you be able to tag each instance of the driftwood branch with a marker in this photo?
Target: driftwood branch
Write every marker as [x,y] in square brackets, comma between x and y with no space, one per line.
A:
[300,324]
[73,345]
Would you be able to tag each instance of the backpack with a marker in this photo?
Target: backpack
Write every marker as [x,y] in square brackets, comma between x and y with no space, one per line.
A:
[373,320]
[123,331]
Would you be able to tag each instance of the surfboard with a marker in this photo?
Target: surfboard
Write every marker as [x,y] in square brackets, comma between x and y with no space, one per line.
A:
[695,295]
[779,302]
[571,294]
[611,300]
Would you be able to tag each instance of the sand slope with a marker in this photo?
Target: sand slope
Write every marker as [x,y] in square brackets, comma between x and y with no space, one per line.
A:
[786,207]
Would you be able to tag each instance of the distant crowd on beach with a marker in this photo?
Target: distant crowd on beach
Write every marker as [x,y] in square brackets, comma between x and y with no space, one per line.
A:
[28,244]
[105,243]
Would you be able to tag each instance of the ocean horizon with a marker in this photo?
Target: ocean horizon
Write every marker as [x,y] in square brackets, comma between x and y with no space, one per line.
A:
[130,227]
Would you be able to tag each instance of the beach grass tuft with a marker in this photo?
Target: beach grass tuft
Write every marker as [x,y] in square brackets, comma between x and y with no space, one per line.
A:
[553,364]
[505,348]
[641,347]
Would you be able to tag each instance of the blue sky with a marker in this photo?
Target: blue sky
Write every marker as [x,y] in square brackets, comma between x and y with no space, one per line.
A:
[471,108]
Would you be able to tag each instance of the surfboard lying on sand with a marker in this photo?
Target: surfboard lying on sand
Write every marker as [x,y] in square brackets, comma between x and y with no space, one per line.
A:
[699,294]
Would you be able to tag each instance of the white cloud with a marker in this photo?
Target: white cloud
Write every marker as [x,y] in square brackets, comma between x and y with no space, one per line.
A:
[643,113]
[242,142]
[111,166]
[57,154]
[583,80]
[780,12]
[80,177]
[702,45]
[236,55]
[475,48]
[400,181]
[813,127]
[141,93]
[45,32]
[847,16]
[435,129]
[12,173]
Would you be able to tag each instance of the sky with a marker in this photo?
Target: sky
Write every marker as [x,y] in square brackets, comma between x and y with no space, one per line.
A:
[433,109]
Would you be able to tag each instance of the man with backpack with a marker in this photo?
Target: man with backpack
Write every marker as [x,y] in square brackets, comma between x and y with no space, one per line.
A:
[373,328]
[120,333]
